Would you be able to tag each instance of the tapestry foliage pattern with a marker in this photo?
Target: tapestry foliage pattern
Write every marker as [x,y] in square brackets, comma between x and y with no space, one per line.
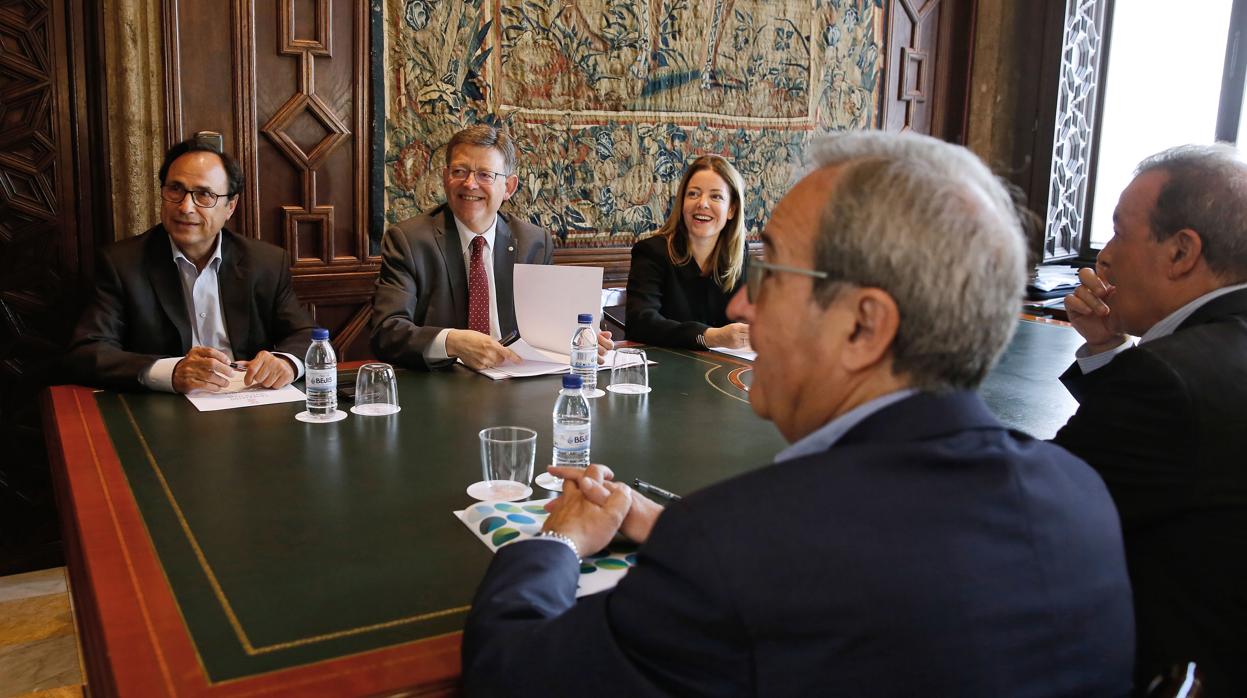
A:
[609,99]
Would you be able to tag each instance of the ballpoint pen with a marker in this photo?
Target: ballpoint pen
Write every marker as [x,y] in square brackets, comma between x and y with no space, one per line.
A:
[645,488]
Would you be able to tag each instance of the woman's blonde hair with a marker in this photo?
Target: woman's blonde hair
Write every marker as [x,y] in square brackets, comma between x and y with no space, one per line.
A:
[728,257]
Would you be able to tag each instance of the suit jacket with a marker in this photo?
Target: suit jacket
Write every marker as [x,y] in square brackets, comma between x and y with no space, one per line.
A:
[423,288]
[1165,424]
[670,305]
[137,313]
[929,552]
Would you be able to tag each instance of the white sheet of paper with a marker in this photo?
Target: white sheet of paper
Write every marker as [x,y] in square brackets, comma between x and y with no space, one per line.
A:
[749,354]
[538,362]
[547,300]
[239,395]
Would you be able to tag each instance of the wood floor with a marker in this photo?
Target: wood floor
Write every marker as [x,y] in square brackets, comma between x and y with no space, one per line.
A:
[39,653]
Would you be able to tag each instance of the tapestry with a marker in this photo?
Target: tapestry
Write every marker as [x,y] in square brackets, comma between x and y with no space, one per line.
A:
[609,99]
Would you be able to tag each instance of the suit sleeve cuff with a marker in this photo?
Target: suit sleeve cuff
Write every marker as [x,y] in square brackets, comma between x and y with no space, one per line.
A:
[1091,362]
[159,376]
[437,348]
[298,365]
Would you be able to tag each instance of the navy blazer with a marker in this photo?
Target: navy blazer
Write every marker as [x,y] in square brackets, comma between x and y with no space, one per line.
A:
[1165,424]
[930,552]
[137,313]
[423,288]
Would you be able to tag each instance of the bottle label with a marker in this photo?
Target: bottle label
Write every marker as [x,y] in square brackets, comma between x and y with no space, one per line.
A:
[585,359]
[322,379]
[571,437]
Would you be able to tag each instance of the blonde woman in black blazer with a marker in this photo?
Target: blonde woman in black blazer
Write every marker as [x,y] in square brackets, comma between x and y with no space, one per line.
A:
[683,276]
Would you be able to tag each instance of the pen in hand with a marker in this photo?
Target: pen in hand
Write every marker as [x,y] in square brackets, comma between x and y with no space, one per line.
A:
[645,488]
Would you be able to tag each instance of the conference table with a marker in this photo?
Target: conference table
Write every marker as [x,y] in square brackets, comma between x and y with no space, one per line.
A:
[242,552]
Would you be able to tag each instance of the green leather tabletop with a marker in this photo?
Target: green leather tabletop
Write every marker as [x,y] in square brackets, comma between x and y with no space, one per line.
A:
[286,543]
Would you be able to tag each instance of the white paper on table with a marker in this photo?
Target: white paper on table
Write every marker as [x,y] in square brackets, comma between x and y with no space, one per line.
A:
[535,363]
[547,300]
[238,394]
[538,362]
[502,523]
[748,353]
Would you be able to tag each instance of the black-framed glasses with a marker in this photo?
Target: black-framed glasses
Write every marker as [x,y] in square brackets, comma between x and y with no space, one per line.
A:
[486,177]
[176,193]
[758,271]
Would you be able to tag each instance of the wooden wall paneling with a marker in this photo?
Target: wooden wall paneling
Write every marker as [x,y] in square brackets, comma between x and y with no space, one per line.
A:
[927,72]
[294,106]
[613,260]
[44,245]
[912,44]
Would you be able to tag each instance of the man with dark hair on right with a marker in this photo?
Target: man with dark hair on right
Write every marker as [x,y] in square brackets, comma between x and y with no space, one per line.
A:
[1164,421]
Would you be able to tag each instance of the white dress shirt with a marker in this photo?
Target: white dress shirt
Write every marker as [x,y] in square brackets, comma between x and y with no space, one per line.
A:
[202,294]
[437,349]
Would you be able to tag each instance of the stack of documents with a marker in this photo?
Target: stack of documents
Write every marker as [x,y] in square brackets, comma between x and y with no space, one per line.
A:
[547,300]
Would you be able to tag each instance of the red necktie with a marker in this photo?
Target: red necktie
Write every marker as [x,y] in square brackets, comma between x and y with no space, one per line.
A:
[478,289]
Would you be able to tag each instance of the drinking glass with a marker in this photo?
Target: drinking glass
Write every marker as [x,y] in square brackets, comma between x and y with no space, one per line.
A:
[507,457]
[630,372]
[376,390]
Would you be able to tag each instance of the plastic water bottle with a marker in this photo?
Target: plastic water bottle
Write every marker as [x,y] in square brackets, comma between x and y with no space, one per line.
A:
[585,354]
[571,425]
[321,379]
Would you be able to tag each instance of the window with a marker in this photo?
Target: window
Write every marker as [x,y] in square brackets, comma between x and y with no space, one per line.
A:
[1175,75]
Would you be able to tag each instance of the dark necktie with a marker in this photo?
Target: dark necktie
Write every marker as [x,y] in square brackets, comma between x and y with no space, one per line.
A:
[478,289]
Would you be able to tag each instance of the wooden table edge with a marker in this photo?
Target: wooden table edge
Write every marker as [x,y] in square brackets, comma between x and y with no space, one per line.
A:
[111,557]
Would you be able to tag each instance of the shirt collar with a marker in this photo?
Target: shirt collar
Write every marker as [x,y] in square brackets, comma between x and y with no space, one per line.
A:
[831,432]
[466,235]
[214,261]
[1175,319]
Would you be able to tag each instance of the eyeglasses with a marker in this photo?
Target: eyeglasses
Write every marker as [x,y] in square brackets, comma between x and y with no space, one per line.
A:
[176,194]
[758,271]
[486,177]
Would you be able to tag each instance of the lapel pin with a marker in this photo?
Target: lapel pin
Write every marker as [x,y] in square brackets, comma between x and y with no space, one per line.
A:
[510,249]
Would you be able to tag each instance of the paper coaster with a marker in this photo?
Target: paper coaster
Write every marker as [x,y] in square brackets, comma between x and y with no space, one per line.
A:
[596,392]
[337,416]
[499,490]
[375,410]
[628,388]
[550,482]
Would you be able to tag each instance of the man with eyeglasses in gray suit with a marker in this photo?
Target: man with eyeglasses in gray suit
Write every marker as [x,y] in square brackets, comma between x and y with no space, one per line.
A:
[188,305]
[445,290]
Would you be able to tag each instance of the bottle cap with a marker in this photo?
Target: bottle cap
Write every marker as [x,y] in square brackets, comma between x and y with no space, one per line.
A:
[585,318]
[319,334]
[571,382]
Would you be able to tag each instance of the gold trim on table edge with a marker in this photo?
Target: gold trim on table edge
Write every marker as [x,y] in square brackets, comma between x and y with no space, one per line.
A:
[217,591]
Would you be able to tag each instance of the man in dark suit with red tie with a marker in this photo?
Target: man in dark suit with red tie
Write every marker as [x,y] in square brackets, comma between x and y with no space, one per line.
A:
[445,288]
[905,544]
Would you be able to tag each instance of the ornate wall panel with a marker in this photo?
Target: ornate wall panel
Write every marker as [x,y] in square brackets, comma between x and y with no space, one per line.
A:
[928,64]
[1078,91]
[611,98]
[293,105]
[40,257]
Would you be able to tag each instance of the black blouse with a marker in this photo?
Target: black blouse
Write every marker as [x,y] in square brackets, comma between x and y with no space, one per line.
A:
[670,305]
